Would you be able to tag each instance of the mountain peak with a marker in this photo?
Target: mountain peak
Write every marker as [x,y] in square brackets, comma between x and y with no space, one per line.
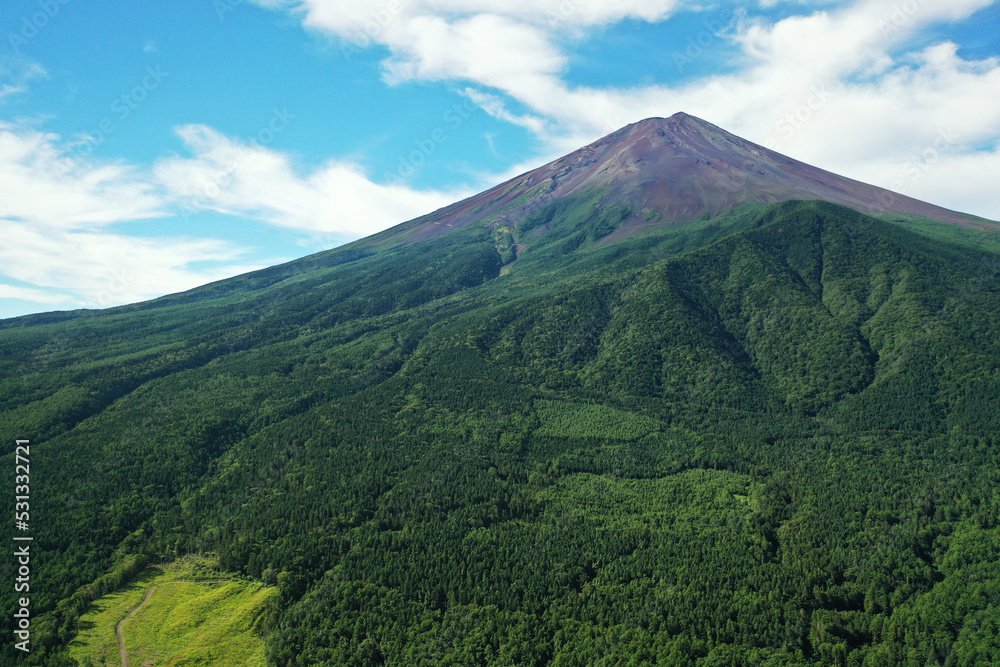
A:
[670,170]
[679,122]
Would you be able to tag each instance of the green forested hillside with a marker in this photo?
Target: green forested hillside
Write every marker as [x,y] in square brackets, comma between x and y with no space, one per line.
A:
[770,438]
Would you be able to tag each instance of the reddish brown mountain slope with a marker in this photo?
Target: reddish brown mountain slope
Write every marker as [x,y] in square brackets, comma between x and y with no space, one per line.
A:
[683,168]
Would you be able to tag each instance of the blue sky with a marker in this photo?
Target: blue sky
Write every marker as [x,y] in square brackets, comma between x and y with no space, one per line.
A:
[149,147]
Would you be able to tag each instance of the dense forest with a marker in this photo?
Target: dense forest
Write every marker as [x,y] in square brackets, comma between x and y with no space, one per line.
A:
[767,438]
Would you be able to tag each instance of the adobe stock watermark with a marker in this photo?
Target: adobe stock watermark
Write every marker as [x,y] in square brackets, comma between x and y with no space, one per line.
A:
[322,242]
[795,120]
[213,187]
[612,125]
[899,17]
[558,17]
[425,148]
[121,108]
[920,164]
[223,7]
[22,552]
[914,169]
[116,285]
[363,37]
[714,29]
[33,24]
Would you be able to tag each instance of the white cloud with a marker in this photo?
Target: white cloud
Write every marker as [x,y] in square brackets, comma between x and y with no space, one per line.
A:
[55,210]
[40,183]
[99,269]
[512,46]
[494,106]
[349,17]
[35,295]
[493,50]
[338,198]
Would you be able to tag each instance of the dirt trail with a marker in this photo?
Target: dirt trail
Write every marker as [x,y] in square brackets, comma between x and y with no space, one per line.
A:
[118,628]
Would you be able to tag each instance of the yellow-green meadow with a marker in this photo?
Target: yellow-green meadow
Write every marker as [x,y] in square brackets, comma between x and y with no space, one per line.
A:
[181,613]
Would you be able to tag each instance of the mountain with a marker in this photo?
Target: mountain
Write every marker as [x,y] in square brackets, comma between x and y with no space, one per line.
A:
[680,168]
[634,407]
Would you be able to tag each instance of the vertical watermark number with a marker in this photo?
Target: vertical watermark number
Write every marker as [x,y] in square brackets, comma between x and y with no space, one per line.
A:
[22,548]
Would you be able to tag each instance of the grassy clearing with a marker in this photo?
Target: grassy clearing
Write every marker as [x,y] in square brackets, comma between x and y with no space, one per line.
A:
[181,623]
[96,640]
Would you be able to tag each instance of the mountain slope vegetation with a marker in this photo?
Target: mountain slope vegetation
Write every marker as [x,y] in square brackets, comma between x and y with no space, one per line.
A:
[766,438]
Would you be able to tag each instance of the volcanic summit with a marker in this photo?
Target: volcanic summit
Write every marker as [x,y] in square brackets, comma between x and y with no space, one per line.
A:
[681,167]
